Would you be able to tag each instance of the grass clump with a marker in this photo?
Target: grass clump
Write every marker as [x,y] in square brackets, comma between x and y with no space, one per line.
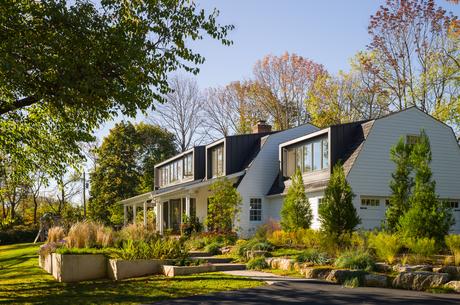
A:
[386,246]
[421,248]
[213,248]
[257,263]
[351,283]
[55,234]
[453,243]
[312,256]
[245,246]
[356,260]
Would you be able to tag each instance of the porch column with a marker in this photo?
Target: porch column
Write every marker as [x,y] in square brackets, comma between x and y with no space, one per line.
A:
[134,213]
[145,213]
[160,217]
[125,215]
[187,205]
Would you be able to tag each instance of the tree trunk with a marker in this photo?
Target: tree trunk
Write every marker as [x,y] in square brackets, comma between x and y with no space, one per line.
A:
[35,209]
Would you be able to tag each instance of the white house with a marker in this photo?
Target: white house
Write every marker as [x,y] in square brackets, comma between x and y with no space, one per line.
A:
[260,165]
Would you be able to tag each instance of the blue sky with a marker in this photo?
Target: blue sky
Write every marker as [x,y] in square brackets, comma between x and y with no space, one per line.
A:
[327,32]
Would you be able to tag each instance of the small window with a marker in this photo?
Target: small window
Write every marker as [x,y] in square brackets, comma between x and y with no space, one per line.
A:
[217,160]
[451,204]
[412,139]
[320,200]
[370,202]
[387,202]
[255,209]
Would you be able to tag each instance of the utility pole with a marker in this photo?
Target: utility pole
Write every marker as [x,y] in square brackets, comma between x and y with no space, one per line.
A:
[84,195]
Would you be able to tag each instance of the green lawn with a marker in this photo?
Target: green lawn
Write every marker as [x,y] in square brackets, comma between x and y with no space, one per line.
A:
[22,281]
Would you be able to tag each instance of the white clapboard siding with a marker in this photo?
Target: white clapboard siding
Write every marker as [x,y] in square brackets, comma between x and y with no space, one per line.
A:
[261,173]
[371,172]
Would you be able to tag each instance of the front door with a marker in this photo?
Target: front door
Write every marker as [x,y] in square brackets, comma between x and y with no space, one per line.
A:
[175,214]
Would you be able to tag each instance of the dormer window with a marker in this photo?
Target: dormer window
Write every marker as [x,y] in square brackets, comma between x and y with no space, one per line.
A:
[312,155]
[217,160]
[188,165]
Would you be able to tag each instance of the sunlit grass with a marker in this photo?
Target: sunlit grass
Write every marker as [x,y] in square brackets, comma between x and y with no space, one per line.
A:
[22,281]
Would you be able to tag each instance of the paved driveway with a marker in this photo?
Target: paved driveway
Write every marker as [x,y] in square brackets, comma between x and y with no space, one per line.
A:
[317,293]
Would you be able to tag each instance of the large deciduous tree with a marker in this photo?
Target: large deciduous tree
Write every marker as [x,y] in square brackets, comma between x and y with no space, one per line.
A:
[67,66]
[230,110]
[182,112]
[413,56]
[281,86]
[124,167]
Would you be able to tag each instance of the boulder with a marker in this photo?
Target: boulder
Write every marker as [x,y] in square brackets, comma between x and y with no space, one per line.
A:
[226,250]
[453,271]
[375,280]
[340,276]
[316,272]
[256,253]
[411,268]
[454,285]
[280,263]
[383,267]
[420,280]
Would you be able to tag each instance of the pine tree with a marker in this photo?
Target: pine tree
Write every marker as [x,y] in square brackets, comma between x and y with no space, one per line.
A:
[427,216]
[296,211]
[400,185]
[337,214]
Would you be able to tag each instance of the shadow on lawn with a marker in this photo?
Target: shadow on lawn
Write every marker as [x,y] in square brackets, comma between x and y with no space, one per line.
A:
[140,290]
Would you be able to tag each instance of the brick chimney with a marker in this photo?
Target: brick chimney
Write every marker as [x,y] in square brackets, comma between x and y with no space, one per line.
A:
[261,126]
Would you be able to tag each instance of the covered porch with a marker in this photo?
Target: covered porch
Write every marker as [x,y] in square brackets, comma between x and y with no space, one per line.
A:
[171,208]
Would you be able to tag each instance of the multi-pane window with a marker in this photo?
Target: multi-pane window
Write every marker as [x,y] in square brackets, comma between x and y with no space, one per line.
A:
[370,202]
[312,156]
[451,204]
[255,209]
[188,165]
[217,155]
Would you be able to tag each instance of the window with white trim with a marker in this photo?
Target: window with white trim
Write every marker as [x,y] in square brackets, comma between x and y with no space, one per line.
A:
[255,209]
[453,204]
[370,202]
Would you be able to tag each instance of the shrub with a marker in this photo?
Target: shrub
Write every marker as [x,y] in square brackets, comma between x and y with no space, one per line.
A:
[386,246]
[310,238]
[17,234]
[267,229]
[55,234]
[224,205]
[312,256]
[160,248]
[357,260]
[453,243]
[244,247]
[190,225]
[422,248]
[257,263]
[337,214]
[281,238]
[213,248]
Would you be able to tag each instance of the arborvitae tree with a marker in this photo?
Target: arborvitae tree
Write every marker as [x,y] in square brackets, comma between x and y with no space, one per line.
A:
[337,214]
[296,211]
[427,216]
[224,205]
[400,185]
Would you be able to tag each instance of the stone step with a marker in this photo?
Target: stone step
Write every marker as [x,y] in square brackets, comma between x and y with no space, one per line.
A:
[199,254]
[213,260]
[229,267]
